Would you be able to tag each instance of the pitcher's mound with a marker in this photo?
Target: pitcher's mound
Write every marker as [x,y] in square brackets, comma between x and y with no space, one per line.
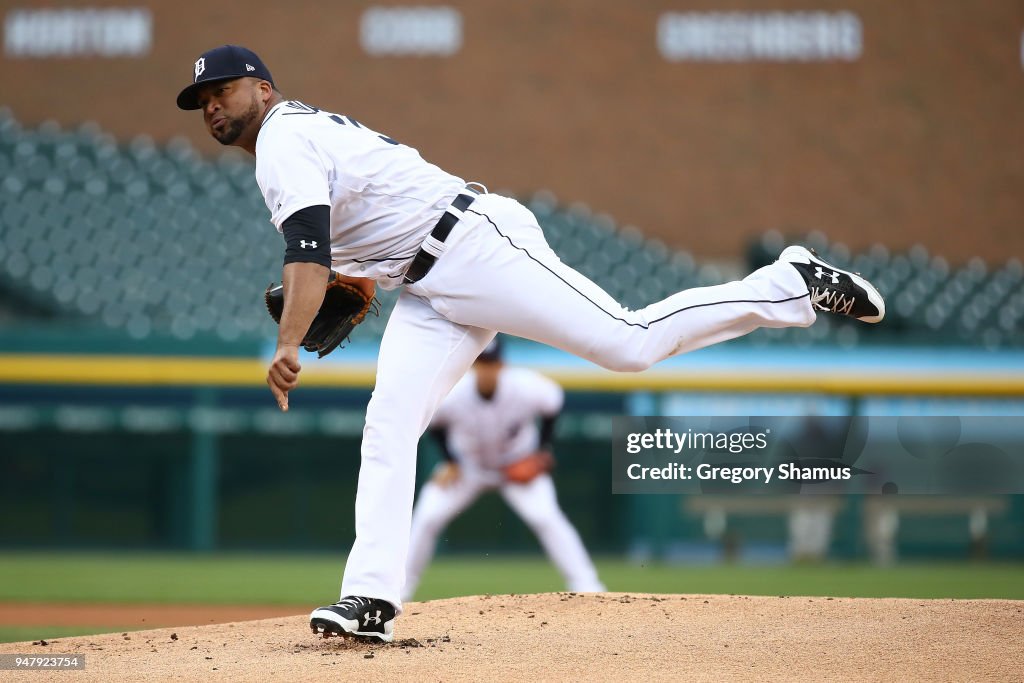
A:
[598,637]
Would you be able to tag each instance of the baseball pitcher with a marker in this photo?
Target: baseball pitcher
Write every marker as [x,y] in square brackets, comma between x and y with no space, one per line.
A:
[357,207]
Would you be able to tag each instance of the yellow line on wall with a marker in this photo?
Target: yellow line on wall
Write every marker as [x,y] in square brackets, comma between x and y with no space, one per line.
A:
[158,371]
[111,370]
[838,383]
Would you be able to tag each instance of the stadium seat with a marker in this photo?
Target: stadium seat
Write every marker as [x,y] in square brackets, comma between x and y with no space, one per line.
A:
[110,231]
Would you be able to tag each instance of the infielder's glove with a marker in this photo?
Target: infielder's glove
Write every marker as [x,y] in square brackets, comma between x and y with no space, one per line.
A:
[344,307]
[527,469]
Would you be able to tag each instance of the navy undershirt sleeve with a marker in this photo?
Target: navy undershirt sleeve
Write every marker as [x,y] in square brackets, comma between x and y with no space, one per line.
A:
[440,435]
[307,236]
[547,431]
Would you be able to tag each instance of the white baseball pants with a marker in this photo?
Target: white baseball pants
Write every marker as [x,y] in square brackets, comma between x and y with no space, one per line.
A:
[535,502]
[497,273]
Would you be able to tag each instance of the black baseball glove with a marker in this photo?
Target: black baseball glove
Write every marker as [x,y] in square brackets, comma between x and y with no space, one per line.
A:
[344,307]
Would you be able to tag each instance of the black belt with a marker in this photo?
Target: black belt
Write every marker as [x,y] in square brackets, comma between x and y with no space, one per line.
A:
[423,261]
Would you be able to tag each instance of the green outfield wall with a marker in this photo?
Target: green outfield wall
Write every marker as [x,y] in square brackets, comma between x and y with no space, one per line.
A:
[179,466]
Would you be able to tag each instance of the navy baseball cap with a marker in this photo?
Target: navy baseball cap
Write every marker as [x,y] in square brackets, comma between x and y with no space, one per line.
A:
[491,352]
[223,63]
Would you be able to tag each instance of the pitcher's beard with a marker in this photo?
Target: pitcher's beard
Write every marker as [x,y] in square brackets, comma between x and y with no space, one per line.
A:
[233,130]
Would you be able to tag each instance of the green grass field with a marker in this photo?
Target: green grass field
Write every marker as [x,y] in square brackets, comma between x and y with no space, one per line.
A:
[314,579]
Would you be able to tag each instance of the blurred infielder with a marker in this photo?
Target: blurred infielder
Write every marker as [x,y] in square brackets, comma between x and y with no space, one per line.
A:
[348,198]
[488,433]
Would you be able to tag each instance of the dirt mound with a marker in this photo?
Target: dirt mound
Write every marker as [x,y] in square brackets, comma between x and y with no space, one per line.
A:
[566,636]
[134,616]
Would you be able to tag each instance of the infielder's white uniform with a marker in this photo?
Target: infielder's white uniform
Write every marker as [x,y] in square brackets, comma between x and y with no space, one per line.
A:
[485,435]
[494,272]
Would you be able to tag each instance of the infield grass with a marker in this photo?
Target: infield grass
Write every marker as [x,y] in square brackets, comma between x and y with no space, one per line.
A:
[311,579]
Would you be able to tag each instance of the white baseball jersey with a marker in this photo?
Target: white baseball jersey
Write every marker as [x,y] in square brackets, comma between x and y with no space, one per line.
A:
[497,431]
[384,197]
[496,273]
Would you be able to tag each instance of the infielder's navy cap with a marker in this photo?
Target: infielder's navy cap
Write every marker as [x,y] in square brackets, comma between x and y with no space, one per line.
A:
[491,352]
[223,63]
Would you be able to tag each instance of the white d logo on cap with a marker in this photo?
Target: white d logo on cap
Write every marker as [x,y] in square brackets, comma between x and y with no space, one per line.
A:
[200,67]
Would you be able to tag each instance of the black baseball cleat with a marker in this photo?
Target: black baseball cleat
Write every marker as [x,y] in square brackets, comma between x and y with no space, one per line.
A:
[367,618]
[835,290]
